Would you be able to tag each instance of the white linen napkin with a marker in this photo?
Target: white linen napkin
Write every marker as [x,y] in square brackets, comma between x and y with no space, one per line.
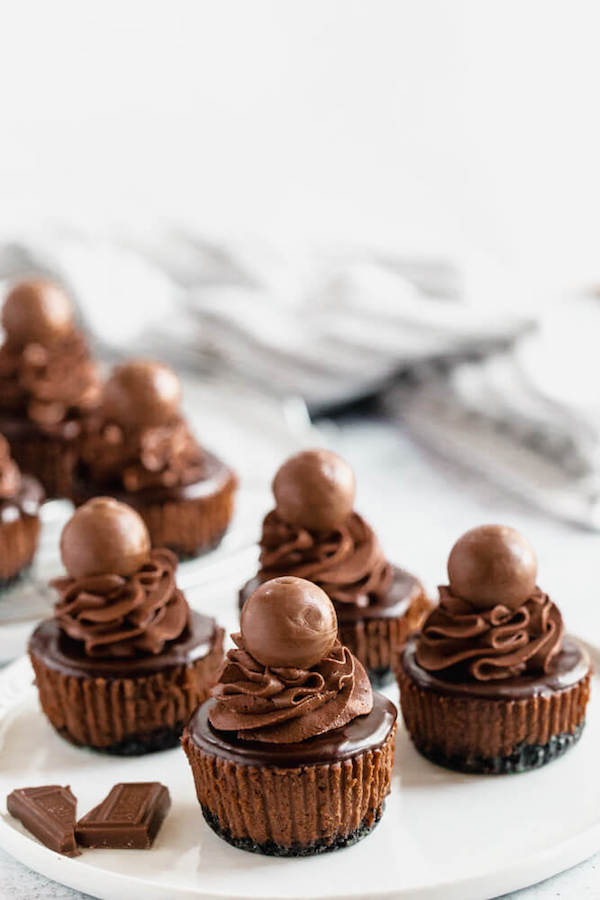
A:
[333,326]
[328,325]
[528,419]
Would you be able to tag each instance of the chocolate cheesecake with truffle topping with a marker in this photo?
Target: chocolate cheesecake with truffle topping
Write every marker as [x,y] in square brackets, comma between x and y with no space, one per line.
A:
[20,499]
[293,755]
[314,533]
[140,450]
[48,383]
[492,684]
[124,661]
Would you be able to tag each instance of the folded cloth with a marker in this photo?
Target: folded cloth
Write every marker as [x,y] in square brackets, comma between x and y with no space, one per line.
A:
[328,326]
[528,419]
[334,326]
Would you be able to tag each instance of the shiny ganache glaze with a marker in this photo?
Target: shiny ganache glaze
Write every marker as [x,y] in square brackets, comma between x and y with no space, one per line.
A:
[403,590]
[216,475]
[346,561]
[568,667]
[121,616]
[361,734]
[68,656]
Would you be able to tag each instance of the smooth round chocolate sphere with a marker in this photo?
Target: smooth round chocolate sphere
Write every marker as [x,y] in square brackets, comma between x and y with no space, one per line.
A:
[104,537]
[492,565]
[314,489]
[36,311]
[142,392]
[288,622]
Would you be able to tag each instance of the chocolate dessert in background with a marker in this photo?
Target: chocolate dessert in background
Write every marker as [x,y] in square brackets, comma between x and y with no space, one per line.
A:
[20,499]
[124,661]
[492,684]
[48,383]
[293,755]
[314,533]
[139,449]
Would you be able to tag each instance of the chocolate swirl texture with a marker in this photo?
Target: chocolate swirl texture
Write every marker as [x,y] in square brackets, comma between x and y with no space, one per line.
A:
[289,705]
[52,385]
[116,616]
[143,457]
[347,562]
[489,644]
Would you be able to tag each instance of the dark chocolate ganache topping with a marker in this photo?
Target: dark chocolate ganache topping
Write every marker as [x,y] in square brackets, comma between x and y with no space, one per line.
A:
[124,616]
[346,562]
[53,385]
[360,734]
[289,705]
[143,457]
[487,644]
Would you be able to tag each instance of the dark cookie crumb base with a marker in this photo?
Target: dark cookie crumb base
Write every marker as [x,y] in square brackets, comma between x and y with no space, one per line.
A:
[272,849]
[164,739]
[523,759]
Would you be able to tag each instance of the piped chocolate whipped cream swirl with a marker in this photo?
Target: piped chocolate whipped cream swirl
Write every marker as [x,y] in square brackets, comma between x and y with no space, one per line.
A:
[46,372]
[492,622]
[123,616]
[139,439]
[289,678]
[52,385]
[287,704]
[314,533]
[347,562]
[161,456]
[493,643]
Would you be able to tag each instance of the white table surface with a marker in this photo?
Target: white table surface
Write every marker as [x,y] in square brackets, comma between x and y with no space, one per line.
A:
[419,506]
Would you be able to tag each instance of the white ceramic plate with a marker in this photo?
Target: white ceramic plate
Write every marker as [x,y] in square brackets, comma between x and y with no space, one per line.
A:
[252,433]
[444,836]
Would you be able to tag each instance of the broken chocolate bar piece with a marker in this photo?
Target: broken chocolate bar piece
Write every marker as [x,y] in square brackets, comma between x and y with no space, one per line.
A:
[128,818]
[49,813]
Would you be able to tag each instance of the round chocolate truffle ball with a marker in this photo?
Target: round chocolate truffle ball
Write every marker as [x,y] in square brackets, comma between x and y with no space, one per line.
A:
[36,311]
[104,537]
[288,622]
[142,393]
[315,490]
[492,565]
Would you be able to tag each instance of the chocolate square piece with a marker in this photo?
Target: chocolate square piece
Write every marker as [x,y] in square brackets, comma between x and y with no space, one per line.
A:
[128,818]
[49,813]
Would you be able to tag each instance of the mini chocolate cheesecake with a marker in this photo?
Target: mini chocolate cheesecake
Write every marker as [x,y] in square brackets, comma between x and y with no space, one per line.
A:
[49,383]
[492,685]
[314,533]
[293,755]
[124,661]
[20,499]
[139,450]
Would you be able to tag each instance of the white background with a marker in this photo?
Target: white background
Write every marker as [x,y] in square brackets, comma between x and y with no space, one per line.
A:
[429,124]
